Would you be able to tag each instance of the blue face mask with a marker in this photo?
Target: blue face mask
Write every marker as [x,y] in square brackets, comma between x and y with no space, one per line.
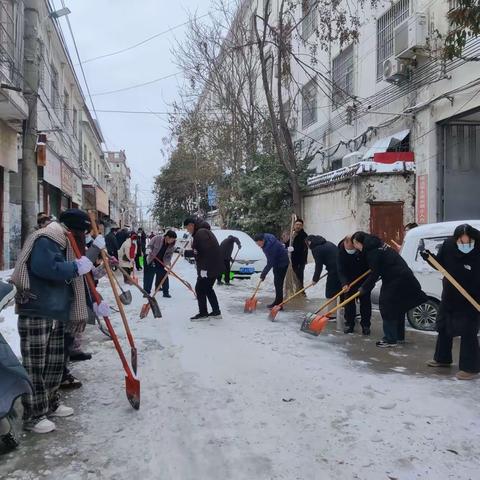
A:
[466,247]
[351,252]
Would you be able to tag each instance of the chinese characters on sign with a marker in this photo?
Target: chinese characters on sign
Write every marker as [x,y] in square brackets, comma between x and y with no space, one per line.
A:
[422,199]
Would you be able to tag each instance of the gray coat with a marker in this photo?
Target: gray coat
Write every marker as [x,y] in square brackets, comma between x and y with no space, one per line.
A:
[14,380]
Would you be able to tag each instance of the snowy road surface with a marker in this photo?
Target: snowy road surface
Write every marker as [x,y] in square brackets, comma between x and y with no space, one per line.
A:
[245,398]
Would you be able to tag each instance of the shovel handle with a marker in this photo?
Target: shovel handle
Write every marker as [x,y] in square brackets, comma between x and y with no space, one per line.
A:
[453,281]
[171,272]
[111,278]
[166,276]
[342,304]
[97,299]
[291,297]
[331,300]
[256,290]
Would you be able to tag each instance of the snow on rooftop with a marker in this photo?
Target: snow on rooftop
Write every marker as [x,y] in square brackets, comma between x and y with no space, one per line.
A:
[360,168]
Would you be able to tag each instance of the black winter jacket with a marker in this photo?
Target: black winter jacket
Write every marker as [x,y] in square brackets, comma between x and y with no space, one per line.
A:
[50,276]
[465,268]
[112,245]
[350,266]
[400,290]
[324,253]
[206,251]
[300,248]
[226,247]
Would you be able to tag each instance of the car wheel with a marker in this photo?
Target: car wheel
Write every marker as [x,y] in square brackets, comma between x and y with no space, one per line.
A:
[424,317]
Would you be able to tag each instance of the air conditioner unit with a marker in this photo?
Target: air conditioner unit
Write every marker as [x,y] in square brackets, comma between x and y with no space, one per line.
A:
[394,71]
[351,159]
[410,37]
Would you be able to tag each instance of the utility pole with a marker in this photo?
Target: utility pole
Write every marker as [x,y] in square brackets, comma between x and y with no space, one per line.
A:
[31,68]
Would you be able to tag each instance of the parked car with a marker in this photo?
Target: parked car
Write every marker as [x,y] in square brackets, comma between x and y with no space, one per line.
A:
[250,259]
[433,235]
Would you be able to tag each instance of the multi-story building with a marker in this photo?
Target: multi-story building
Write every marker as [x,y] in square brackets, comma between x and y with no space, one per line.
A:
[13,111]
[121,211]
[389,95]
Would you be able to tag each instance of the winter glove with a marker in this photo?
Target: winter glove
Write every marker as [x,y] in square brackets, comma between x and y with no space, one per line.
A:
[84,265]
[102,310]
[203,273]
[346,288]
[290,249]
[99,242]
[262,278]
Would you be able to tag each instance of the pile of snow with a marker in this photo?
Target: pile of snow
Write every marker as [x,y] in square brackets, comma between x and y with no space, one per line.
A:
[360,168]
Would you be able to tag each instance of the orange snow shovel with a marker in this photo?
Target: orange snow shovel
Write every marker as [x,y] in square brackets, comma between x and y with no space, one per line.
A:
[132,384]
[317,324]
[133,348]
[146,307]
[276,308]
[251,303]
[334,298]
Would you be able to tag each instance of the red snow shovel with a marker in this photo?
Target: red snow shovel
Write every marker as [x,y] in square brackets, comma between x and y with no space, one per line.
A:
[132,384]
[276,308]
[113,285]
[251,303]
[317,324]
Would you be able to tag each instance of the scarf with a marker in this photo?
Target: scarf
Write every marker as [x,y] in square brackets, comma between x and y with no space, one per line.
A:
[21,279]
[133,248]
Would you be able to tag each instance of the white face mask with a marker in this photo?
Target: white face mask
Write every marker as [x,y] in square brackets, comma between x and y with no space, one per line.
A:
[466,247]
[351,252]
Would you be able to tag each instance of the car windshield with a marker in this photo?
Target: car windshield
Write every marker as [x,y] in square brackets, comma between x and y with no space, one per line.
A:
[432,244]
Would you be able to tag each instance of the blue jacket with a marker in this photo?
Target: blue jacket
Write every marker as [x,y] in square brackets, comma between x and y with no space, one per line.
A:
[276,253]
[50,282]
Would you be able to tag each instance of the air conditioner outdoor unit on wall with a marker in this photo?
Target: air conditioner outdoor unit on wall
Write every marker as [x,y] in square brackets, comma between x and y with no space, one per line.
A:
[394,71]
[410,37]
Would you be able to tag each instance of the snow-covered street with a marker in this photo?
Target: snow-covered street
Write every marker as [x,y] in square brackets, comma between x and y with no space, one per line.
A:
[245,398]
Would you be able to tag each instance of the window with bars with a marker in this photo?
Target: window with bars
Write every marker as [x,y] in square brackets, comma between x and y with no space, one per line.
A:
[453,4]
[309,104]
[309,15]
[342,76]
[7,38]
[75,121]
[386,24]
[54,94]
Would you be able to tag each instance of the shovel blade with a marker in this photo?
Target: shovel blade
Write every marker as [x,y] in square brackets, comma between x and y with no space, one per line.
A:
[250,305]
[126,297]
[132,386]
[145,310]
[315,325]
[157,313]
[274,312]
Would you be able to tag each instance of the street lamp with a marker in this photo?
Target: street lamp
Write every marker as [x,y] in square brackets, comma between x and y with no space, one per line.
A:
[60,13]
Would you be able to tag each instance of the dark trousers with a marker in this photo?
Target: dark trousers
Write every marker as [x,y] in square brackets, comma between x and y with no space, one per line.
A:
[393,326]
[157,272]
[68,341]
[226,271]
[128,271]
[204,290]
[351,310]
[278,280]
[42,347]
[299,270]
[137,262]
[469,350]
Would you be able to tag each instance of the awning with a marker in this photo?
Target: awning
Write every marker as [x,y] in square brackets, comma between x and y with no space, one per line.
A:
[385,144]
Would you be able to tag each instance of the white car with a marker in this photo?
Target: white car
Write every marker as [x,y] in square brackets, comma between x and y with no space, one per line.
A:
[433,235]
[250,259]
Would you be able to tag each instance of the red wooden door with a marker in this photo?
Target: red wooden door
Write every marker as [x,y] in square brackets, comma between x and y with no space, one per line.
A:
[386,221]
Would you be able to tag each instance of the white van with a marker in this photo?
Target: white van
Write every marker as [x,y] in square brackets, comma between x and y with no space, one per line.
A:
[250,259]
[433,235]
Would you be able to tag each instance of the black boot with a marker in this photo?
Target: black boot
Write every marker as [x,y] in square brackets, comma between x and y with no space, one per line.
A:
[349,329]
[366,331]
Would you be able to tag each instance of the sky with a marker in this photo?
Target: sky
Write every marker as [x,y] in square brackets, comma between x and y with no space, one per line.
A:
[104,26]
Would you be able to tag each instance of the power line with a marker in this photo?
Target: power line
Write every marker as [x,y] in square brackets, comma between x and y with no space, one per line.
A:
[138,85]
[143,42]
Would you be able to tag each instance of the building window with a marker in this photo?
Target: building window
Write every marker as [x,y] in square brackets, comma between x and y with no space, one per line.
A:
[309,104]
[342,76]
[75,121]
[54,96]
[385,27]
[66,109]
[7,36]
[309,16]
